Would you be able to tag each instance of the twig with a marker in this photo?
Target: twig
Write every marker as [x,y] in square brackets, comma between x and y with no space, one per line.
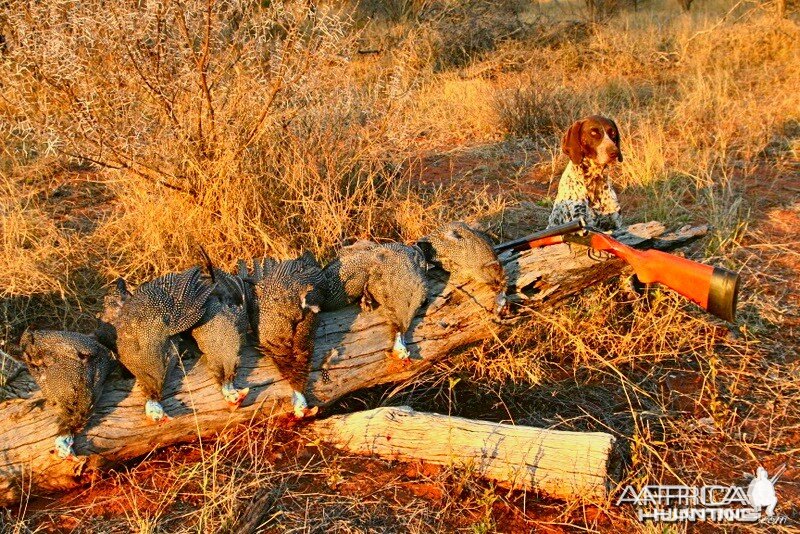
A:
[714,27]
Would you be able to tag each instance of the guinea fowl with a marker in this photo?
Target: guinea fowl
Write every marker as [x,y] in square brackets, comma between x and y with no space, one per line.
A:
[469,256]
[220,333]
[396,282]
[391,275]
[70,369]
[148,320]
[287,298]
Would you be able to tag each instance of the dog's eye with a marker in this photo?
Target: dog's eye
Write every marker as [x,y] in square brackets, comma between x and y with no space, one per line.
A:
[612,134]
[595,132]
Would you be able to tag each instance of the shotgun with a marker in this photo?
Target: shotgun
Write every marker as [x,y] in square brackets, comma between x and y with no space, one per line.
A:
[712,288]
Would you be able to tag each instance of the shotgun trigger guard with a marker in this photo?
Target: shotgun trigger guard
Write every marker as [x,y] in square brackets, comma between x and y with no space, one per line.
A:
[598,255]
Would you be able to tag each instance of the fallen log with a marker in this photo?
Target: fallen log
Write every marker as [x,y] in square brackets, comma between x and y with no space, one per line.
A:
[350,354]
[562,464]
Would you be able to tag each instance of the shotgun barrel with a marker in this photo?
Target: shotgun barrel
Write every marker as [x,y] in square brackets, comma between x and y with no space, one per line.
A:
[533,240]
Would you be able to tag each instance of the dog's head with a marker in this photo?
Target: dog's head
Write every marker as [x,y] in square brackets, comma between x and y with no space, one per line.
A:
[595,138]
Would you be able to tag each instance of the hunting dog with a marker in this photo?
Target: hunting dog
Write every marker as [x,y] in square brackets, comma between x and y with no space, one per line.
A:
[585,190]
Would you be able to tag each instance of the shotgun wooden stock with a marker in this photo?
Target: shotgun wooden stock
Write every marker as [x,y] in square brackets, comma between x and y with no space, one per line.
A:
[712,288]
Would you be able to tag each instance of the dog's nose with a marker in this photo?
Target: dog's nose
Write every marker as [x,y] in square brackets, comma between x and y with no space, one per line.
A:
[613,154]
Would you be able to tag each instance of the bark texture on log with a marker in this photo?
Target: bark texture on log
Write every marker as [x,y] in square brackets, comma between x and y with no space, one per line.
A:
[561,464]
[350,353]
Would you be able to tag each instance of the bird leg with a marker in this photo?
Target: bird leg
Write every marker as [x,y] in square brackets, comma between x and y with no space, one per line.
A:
[155,411]
[63,445]
[232,395]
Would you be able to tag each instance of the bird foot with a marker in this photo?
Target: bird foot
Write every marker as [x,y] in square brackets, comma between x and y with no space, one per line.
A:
[155,411]
[234,396]
[164,420]
[400,351]
[307,412]
[367,303]
[300,406]
[63,448]
[68,458]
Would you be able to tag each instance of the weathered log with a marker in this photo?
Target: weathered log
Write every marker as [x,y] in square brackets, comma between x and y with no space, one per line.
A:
[15,381]
[350,354]
[561,464]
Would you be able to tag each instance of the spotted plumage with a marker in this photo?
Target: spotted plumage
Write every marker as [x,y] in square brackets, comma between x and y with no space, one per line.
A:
[70,369]
[346,276]
[412,252]
[221,331]
[148,320]
[468,256]
[396,283]
[287,297]
[391,275]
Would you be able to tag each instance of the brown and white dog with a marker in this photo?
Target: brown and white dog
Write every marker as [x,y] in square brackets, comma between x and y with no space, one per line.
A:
[585,190]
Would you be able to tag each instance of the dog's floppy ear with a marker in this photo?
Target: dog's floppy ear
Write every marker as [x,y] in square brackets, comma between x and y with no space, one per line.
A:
[619,141]
[571,143]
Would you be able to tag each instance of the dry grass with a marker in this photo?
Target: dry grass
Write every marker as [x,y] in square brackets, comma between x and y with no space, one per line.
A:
[129,135]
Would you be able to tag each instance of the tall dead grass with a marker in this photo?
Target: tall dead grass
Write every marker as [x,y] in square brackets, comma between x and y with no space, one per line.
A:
[131,133]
